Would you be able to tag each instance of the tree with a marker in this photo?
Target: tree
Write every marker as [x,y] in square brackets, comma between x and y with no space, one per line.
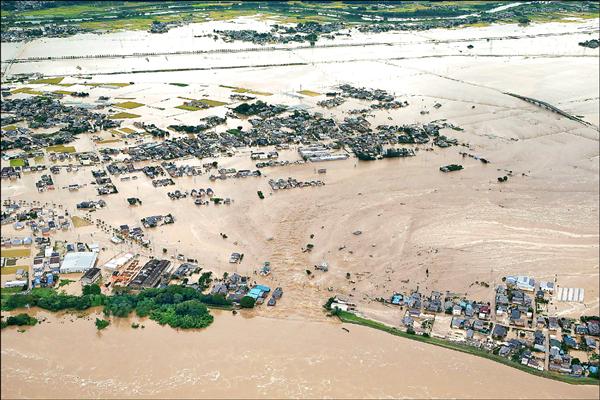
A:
[20,320]
[247,302]
[91,289]
[101,323]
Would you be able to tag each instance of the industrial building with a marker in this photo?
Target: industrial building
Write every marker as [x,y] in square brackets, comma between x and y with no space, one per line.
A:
[91,276]
[150,274]
[79,261]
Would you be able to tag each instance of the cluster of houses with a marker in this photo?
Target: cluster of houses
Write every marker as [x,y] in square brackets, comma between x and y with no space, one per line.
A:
[278,163]
[47,112]
[11,173]
[510,327]
[104,184]
[91,205]
[135,234]
[157,220]
[226,173]
[53,260]
[332,102]
[235,287]
[262,155]
[45,183]
[290,183]
[20,34]
[41,220]
[183,170]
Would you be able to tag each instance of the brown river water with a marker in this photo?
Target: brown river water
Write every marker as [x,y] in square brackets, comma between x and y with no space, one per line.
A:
[248,357]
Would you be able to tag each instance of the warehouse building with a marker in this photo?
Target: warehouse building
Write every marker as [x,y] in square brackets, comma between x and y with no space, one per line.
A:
[79,261]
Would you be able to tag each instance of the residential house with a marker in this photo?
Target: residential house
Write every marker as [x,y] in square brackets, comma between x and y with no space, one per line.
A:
[499,331]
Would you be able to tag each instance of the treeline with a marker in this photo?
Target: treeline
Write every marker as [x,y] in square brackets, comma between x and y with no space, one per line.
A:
[177,306]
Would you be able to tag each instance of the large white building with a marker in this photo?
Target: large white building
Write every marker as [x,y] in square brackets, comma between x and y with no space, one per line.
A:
[78,262]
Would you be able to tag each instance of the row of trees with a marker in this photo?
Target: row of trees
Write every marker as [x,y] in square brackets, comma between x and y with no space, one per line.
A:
[177,306]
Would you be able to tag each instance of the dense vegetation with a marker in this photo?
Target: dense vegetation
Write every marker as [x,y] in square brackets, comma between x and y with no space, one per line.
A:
[177,306]
[19,320]
[247,302]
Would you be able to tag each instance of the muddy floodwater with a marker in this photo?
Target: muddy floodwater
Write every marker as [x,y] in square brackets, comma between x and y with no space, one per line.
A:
[249,358]
[419,228]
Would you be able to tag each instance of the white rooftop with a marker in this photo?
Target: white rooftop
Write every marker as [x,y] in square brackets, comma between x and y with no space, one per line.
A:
[79,261]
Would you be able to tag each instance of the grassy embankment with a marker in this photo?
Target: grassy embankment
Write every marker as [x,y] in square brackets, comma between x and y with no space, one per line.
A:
[351,318]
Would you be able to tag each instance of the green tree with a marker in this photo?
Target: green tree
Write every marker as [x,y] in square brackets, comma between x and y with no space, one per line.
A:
[91,289]
[21,319]
[101,323]
[247,302]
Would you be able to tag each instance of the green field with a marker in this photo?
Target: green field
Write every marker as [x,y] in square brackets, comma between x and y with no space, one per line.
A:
[9,128]
[59,148]
[188,108]
[27,90]
[128,105]
[212,103]
[208,102]
[18,253]
[17,162]
[65,92]
[309,93]
[9,270]
[51,81]
[127,130]
[244,90]
[123,115]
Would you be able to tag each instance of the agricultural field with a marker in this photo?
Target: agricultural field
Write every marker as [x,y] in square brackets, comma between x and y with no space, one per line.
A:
[59,148]
[18,253]
[309,93]
[128,105]
[123,115]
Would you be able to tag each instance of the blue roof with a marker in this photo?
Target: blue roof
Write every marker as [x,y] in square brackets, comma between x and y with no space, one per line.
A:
[262,288]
